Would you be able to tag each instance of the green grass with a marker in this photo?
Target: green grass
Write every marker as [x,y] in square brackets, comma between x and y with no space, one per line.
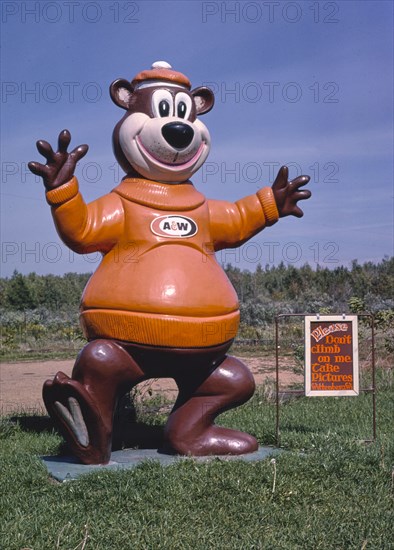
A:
[328,491]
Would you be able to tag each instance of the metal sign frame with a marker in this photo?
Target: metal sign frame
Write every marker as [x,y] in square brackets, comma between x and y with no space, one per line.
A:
[371,389]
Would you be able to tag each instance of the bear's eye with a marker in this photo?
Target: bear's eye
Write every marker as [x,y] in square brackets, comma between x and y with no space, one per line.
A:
[183,105]
[164,108]
[181,111]
[162,103]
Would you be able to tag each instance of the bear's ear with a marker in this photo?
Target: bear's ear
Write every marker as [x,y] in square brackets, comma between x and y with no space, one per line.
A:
[121,92]
[204,99]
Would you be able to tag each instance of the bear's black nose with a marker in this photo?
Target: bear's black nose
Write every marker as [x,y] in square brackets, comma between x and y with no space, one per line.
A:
[178,134]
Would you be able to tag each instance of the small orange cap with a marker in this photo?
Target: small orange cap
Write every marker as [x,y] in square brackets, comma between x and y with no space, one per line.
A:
[160,71]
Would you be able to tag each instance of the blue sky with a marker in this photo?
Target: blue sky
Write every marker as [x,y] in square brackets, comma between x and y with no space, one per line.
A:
[308,84]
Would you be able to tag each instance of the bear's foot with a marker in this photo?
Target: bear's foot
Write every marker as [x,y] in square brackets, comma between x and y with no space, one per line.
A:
[78,418]
[214,441]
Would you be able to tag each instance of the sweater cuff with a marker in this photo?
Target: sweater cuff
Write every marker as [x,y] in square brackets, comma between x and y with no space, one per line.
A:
[267,200]
[64,193]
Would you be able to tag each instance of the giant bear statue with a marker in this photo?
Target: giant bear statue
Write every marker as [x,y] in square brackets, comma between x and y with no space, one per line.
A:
[159,304]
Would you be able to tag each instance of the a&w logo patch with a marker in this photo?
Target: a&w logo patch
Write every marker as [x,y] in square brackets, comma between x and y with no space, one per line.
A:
[174,226]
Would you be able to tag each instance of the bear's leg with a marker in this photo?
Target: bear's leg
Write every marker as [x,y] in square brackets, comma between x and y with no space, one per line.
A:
[190,428]
[83,406]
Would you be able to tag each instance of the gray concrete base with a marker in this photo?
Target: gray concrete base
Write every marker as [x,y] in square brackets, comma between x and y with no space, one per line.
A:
[65,468]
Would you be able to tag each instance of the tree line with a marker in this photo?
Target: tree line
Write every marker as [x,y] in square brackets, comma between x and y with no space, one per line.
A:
[284,288]
[264,293]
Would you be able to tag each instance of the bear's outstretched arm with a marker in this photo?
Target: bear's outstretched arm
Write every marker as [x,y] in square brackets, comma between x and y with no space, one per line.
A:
[233,223]
[86,228]
[83,227]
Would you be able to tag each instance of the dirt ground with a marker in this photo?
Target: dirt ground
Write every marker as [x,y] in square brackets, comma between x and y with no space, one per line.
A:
[21,383]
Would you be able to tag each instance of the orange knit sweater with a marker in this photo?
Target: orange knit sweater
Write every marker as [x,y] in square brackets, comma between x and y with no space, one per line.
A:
[159,282]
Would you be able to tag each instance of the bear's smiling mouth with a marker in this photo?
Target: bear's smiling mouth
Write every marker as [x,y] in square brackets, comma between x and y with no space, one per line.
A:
[169,165]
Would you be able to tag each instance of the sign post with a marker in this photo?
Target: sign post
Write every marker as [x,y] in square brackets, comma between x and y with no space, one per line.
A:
[331,355]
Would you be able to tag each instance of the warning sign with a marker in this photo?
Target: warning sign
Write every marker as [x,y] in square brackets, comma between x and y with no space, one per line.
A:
[331,355]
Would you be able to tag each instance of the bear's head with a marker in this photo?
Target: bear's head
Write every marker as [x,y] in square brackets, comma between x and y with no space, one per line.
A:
[160,137]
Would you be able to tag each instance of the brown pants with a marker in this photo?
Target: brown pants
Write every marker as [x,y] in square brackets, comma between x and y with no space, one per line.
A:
[209,383]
